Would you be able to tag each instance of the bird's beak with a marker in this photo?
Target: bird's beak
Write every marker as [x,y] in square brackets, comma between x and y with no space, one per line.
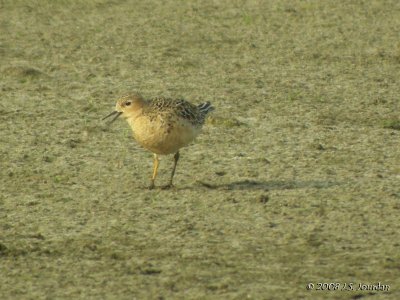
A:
[117,113]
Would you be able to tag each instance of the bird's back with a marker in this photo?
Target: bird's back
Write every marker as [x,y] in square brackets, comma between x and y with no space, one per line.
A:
[178,108]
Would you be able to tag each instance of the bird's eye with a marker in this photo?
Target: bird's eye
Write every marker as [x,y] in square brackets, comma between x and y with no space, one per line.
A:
[127,103]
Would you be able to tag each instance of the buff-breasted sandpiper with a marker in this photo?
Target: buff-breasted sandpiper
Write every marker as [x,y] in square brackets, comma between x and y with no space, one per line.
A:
[162,125]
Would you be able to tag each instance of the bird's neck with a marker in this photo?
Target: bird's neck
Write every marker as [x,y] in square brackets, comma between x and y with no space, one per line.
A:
[135,111]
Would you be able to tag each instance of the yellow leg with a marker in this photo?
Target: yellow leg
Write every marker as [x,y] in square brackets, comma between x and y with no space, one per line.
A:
[155,169]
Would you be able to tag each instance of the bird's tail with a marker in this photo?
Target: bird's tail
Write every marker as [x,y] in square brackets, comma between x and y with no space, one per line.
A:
[205,107]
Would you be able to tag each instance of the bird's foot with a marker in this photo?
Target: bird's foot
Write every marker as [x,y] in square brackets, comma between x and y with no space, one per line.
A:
[151,186]
[168,186]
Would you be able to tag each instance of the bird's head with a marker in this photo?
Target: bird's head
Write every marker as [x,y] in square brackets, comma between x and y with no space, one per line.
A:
[128,106]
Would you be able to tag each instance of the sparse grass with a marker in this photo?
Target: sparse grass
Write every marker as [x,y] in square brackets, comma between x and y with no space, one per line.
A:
[392,124]
[294,180]
[221,121]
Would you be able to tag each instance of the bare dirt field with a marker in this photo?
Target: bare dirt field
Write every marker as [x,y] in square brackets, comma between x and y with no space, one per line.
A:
[294,180]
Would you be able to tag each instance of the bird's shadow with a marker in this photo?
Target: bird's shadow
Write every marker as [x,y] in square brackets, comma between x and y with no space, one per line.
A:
[268,185]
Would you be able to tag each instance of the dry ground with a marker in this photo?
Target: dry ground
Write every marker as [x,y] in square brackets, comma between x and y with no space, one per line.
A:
[294,180]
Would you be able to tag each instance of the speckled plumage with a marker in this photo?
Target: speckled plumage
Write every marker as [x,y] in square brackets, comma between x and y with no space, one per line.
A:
[162,125]
[178,108]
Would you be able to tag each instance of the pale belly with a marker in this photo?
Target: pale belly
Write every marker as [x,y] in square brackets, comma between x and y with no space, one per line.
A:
[160,138]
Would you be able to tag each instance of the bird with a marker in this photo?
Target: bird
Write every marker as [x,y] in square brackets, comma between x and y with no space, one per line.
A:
[161,125]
